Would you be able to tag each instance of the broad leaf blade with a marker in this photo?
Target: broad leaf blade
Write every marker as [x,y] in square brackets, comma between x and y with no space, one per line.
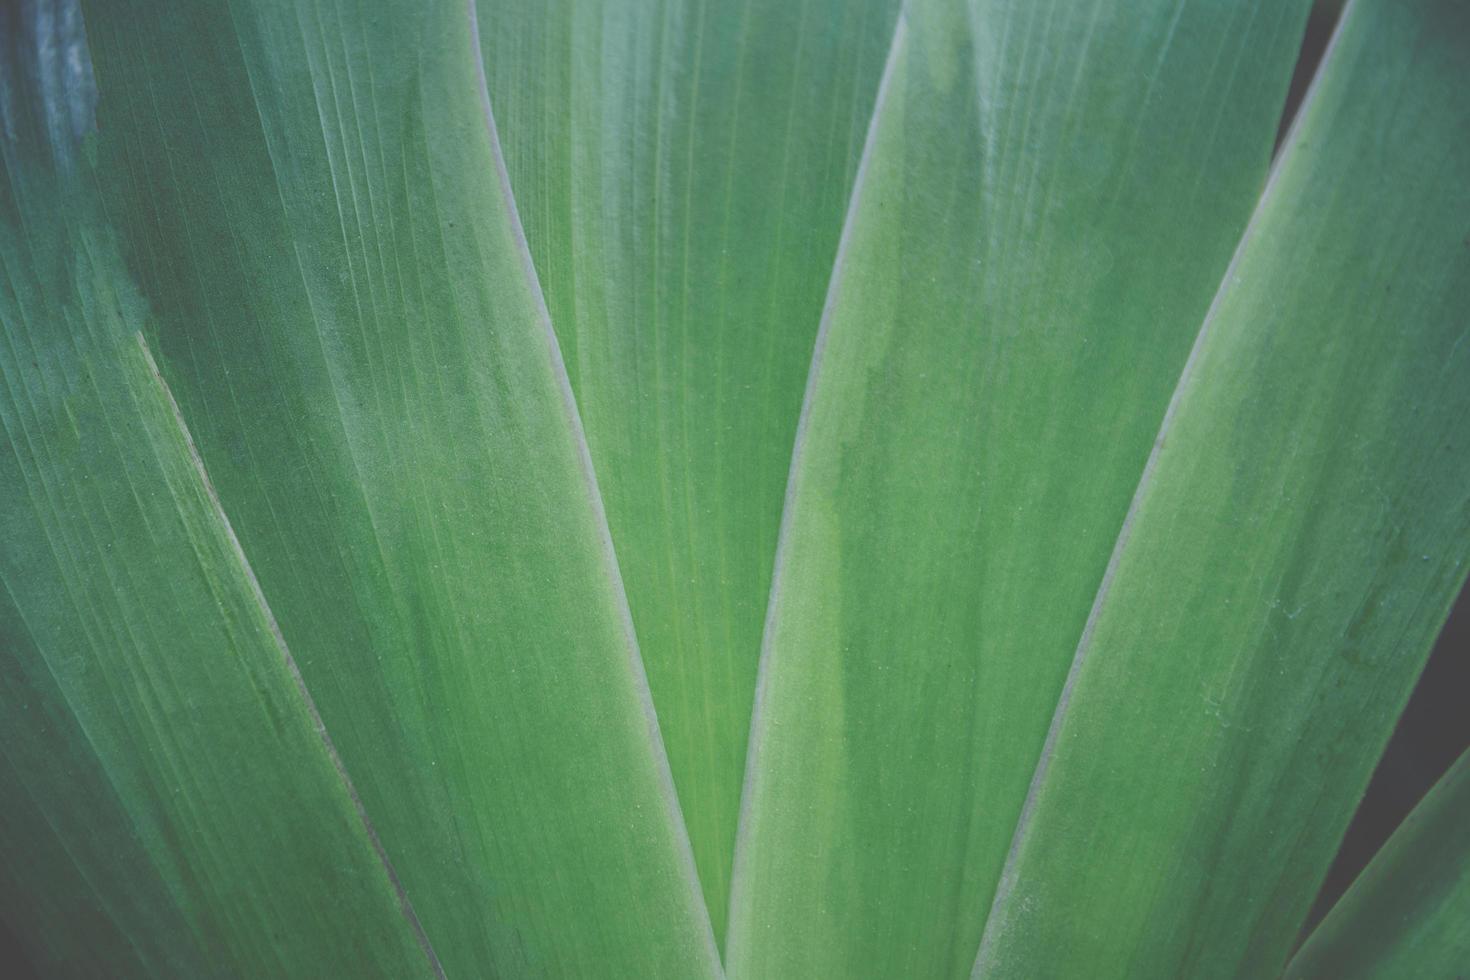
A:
[1291,553]
[170,806]
[1050,194]
[682,169]
[163,744]
[308,194]
[1406,914]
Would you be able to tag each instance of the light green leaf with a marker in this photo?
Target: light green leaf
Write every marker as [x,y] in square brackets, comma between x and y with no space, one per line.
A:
[1292,550]
[315,656]
[682,168]
[1406,914]
[308,197]
[170,806]
[1050,193]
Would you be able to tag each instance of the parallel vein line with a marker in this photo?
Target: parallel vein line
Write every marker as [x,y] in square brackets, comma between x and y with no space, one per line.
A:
[568,399]
[1007,882]
[766,666]
[404,905]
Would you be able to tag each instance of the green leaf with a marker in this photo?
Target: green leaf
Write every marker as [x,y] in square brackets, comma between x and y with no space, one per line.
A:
[1049,195]
[1292,550]
[153,726]
[683,168]
[315,655]
[1405,915]
[170,806]
[331,279]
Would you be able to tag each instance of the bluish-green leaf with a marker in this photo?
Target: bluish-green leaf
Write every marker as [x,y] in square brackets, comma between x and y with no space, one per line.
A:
[168,805]
[1049,195]
[335,289]
[682,169]
[1293,549]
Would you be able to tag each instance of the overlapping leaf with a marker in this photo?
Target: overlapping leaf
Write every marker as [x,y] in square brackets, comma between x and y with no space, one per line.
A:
[682,168]
[294,220]
[169,806]
[333,285]
[1050,195]
[1294,547]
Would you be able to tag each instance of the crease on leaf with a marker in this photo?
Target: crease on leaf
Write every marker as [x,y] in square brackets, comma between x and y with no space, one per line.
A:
[584,457]
[765,669]
[404,904]
[1006,886]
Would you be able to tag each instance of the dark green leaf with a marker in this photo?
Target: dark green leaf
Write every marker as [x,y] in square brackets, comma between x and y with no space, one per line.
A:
[1050,194]
[1292,550]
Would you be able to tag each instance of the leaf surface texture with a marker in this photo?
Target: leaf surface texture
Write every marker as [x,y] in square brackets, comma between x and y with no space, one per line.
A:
[1291,553]
[1050,193]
